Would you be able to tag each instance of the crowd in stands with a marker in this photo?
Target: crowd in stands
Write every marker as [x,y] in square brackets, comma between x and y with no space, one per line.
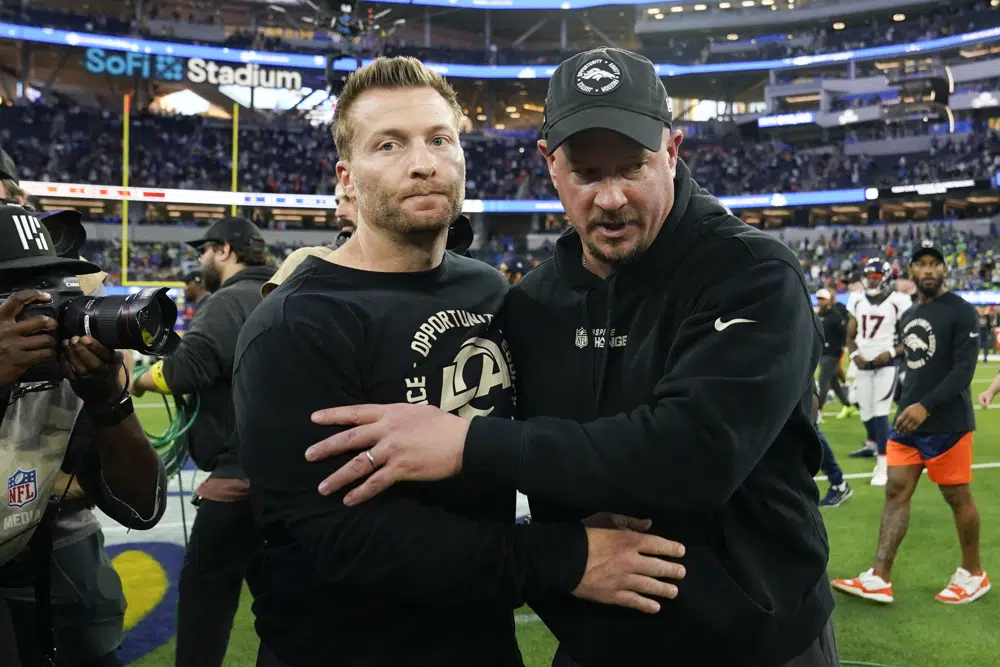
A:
[68,143]
[171,261]
[833,261]
[954,18]
[836,260]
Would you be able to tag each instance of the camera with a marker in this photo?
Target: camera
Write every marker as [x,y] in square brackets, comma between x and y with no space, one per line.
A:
[142,321]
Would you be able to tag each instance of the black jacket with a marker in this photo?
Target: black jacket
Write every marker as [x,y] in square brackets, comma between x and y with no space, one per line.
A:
[834,320]
[203,364]
[646,395]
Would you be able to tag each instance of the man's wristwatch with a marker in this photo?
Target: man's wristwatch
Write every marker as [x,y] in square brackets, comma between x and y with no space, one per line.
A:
[111,414]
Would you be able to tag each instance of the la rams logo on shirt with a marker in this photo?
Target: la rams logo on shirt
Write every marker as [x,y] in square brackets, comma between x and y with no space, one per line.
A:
[22,488]
[599,76]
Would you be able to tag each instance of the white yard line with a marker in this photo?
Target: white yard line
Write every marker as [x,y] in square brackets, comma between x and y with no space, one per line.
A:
[864,475]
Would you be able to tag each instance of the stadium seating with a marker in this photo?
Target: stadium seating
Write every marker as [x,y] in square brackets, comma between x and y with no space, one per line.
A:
[71,144]
[955,18]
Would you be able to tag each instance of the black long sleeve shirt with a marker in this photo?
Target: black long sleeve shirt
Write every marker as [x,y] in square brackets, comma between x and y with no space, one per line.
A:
[424,574]
[941,338]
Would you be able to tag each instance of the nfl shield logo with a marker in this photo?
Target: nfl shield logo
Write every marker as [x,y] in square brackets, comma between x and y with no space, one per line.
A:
[22,489]
[581,338]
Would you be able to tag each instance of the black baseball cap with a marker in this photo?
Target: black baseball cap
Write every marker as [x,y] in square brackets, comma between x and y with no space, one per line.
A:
[25,244]
[238,232]
[606,88]
[66,231]
[8,170]
[927,248]
[192,277]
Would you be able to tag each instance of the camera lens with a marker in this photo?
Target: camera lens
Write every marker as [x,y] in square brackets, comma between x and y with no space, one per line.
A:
[142,321]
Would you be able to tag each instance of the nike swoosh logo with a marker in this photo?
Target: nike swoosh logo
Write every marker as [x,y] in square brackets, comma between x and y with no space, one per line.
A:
[973,335]
[720,325]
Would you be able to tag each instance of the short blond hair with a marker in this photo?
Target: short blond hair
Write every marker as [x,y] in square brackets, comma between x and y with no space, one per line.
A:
[398,73]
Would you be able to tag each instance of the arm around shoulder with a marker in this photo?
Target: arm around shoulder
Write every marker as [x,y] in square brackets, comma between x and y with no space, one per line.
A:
[739,365]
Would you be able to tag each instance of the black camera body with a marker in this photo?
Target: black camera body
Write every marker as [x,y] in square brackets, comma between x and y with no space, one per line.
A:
[142,321]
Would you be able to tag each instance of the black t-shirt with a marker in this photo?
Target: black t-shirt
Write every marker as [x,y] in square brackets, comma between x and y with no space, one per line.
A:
[834,320]
[941,339]
[426,573]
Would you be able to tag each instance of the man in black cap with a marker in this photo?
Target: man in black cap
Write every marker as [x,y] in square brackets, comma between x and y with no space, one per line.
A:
[664,370]
[76,431]
[933,430]
[194,292]
[234,266]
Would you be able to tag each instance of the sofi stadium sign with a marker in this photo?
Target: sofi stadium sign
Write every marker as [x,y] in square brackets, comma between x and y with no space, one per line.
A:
[194,70]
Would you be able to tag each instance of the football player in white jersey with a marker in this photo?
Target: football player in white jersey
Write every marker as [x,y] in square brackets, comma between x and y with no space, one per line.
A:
[871,341]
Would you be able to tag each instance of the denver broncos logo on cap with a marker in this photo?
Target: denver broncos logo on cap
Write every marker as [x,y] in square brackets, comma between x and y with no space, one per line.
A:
[599,76]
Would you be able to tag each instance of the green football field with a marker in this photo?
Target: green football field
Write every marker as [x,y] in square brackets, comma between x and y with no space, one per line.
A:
[915,631]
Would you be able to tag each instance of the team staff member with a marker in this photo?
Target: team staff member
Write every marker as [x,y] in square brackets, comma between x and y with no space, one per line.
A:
[665,363]
[346,215]
[428,575]
[987,321]
[234,265]
[833,316]
[347,219]
[933,430]
[194,292]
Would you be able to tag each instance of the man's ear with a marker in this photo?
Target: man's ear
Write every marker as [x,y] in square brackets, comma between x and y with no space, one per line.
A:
[343,170]
[550,160]
[673,140]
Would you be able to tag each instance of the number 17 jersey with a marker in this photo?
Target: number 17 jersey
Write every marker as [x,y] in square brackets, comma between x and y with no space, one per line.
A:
[877,321]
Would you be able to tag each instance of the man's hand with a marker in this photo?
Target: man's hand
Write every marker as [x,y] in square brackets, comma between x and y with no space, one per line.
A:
[92,370]
[625,567]
[911,418]
[985,399]
[881,360]
[401,442]
[862,364]
[27,343]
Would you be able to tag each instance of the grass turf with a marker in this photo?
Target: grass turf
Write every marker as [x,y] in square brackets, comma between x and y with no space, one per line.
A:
[915,631]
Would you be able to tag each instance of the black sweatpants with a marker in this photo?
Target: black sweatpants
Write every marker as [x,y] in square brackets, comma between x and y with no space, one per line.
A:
[223,540]
[828,380]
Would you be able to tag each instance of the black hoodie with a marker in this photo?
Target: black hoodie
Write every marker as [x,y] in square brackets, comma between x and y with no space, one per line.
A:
[677,390]
[203,364]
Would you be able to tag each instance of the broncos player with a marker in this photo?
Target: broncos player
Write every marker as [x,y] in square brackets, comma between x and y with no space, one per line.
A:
[871,341]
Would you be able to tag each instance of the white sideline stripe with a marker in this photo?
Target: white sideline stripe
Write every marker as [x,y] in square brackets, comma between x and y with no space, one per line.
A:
[521,619]
[862,475]
[975,406]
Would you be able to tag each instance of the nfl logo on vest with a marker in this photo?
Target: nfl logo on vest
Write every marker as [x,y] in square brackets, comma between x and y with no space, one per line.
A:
[22,488]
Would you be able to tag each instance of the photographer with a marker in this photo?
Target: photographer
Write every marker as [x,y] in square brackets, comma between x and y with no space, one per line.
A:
[223,539]
[101,448]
